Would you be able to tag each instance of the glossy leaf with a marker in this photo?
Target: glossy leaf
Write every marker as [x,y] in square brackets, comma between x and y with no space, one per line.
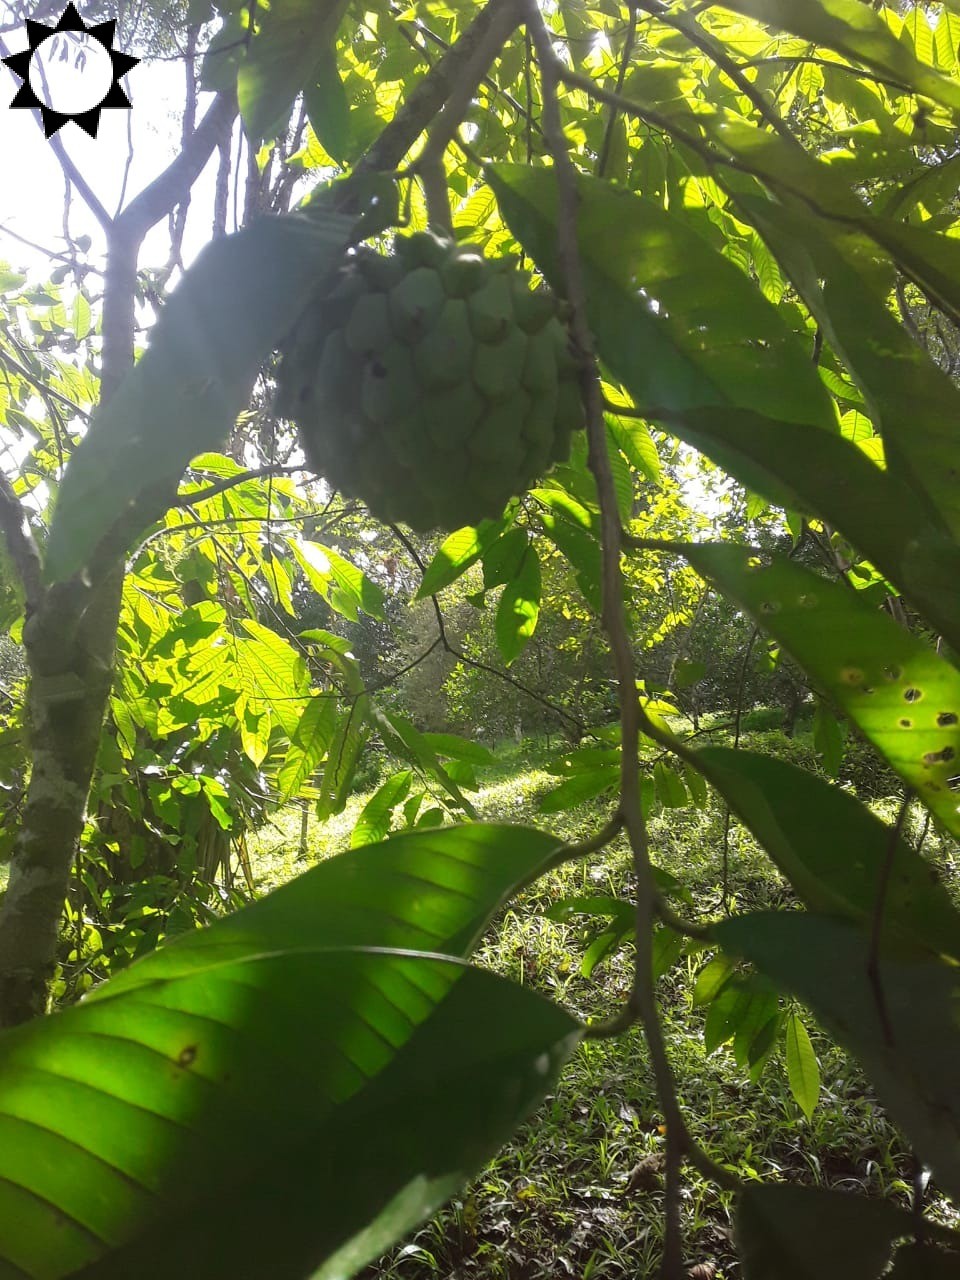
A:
[675,321]
[911,401]
[145,1133]
[289,52]
[519,607]
[803,1070]
[374,821]
[833,850]
[580,788]
[828,740]
[457,553]
[230,311]
[903,696]
[901,1023]
[878,511]
[826,1235]
[461,876]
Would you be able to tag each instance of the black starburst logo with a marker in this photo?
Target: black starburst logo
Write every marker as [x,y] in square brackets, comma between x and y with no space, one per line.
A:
[88,117]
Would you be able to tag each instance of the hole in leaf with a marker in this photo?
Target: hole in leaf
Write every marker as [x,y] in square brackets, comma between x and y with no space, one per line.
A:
[187,1055]
[912,695]
[868,688]
[892,673]
[906,724]
[753,564]
[946,718]
[939,757]
[769,606]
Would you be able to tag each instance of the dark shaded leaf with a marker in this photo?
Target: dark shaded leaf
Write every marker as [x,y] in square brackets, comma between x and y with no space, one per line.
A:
[809,1233]
[902,1025]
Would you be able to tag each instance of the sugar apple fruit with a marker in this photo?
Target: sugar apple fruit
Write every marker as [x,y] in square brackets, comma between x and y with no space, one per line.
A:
[433,383]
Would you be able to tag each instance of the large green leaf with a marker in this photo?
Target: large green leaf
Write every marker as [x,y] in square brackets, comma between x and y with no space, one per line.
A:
[809,1233]
[287,55]
[832,849]
[911,400]
[431,890]
[904,697]
[262,1116]
[830,477]
[457,553]
[901,1022]
[680,325]
[855,30]
[231,310]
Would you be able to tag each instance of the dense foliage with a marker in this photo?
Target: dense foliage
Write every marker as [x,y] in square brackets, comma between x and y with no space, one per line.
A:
[750,214]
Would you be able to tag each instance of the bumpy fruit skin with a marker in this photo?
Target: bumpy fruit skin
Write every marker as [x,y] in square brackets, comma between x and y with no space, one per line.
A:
[434,383]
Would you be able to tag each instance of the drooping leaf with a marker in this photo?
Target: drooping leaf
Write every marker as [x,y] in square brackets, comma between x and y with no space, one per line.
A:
[580,788]
[911,401]
[833,850]
[876,510]
[904,697]
[374,821]
[519,607]
[289,53]
[328,108]
[828,739]
[676,322]
[789,1232]
[429,891]
[803,1070]
[230,311]
[343,756]
[145,1132]
[899,1019]
[307,745]
[457,553]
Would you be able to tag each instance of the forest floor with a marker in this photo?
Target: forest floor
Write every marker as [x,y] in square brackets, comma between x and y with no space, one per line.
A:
[578,1192]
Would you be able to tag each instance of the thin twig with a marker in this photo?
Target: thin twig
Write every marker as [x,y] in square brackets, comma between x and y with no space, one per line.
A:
[460,656]
[628,43]
[642,1001]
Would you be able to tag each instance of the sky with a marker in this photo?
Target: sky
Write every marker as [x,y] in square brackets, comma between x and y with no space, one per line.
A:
[32,189]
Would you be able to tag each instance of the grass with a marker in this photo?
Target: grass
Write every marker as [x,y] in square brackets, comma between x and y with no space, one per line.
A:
[578,1191]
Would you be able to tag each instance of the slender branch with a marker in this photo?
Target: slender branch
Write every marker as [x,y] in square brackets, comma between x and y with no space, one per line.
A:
[73,175]
[714,50]
[173,185]
[433,91]
[475,67]
[460,656]
[41,387]
[628,43]
[642,1002]
[20,544]
[201,495]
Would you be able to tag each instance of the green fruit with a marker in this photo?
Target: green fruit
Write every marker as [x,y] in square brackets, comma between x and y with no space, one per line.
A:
[433,383]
